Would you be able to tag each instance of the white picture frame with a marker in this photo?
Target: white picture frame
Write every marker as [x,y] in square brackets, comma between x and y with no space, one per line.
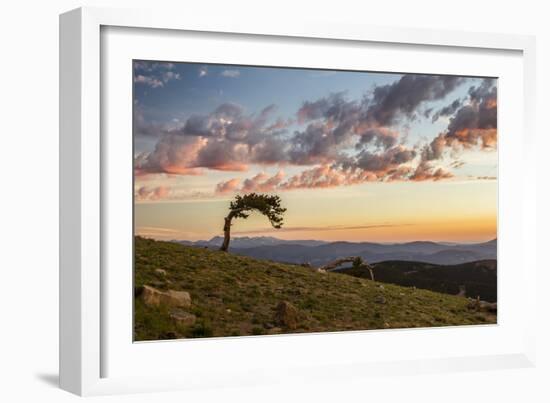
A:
[86,345]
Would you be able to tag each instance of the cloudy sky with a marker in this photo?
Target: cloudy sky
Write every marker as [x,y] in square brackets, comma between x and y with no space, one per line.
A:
[353,155]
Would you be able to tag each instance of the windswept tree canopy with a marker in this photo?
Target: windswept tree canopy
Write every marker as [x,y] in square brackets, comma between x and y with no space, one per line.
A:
[243,206]
[270,206]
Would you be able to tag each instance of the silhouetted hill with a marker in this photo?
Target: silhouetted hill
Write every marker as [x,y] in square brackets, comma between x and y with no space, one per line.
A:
[475,278]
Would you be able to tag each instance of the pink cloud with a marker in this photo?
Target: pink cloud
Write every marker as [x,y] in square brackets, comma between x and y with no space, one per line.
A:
[263,182]
[424,171]
[145,193]
[229,186]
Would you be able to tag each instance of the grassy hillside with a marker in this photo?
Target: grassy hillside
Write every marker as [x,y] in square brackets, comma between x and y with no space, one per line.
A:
[476,278]
[236,295]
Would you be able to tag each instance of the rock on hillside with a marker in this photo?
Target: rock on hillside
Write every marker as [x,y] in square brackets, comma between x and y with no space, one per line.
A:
[287,315]
[152,296]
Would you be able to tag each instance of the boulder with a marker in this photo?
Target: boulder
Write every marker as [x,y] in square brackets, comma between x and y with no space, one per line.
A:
[474,304]
[178,299]
[479,305]
[488,306]
[162,272]
[380,299]
[286,315]
[182,317]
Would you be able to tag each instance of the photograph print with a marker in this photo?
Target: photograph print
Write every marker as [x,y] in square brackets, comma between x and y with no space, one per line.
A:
[275,200]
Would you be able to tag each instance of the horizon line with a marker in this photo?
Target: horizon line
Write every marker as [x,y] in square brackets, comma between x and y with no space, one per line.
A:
[319,240]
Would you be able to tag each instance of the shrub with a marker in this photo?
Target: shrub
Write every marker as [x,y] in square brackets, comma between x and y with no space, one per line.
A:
[201,330]
[256,330]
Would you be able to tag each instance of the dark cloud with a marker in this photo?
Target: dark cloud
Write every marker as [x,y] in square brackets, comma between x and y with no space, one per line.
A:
[474,124]
[425,171]
[270,151]
[447,110]
[402,98]
[226,117]
[380,163]
[435,149]
[340,141]
[229,111]
[480,114]
[335,107]
[222,155]
[226,139]
[381,137]
[198,125]
[315,145]
[335,121]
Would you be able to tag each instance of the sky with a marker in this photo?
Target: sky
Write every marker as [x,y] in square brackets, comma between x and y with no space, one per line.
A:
[356,156]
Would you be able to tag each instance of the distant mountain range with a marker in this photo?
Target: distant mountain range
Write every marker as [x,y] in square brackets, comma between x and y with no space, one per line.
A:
[318,253]
[250,242]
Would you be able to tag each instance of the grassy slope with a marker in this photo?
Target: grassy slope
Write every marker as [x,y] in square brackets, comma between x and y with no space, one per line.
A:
[235,295]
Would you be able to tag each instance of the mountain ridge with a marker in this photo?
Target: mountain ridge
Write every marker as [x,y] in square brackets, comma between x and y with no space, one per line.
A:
[318,253]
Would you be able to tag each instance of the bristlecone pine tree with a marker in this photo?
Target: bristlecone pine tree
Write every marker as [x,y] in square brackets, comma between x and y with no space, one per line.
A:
[243,206]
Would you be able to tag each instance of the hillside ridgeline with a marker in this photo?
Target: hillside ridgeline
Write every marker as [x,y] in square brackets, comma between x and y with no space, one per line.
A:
[188,291]
[473,279]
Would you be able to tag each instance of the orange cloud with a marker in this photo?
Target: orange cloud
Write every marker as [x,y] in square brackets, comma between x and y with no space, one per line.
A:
[424,171]
[228,187]
[263,183]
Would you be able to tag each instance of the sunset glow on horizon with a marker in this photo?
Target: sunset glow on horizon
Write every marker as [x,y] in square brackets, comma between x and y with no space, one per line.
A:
[354,156]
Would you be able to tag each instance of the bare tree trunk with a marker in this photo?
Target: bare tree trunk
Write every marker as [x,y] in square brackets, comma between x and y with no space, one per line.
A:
[351,259]
[334,264]
[226,233]
[371,273]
